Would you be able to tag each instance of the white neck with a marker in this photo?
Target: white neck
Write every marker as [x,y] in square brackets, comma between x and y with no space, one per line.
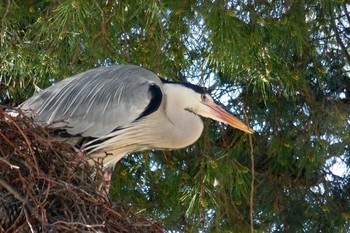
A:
[186,127]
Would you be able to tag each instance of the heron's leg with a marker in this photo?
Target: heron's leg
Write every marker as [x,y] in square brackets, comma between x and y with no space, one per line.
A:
[107,175]
[80,154]
[107,182]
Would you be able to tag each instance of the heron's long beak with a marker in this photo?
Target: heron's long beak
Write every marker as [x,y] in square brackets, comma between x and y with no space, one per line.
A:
[223,116]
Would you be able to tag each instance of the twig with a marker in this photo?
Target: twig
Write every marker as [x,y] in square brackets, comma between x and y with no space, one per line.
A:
[11,144]
[29,224]
[27,141]
[9,164]
[79,224]
[252,186]
[19,197]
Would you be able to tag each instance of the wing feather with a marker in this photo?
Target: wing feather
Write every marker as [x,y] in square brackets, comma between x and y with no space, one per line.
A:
[96,102]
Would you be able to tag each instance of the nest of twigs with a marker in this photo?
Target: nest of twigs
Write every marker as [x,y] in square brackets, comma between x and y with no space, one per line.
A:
[44,188]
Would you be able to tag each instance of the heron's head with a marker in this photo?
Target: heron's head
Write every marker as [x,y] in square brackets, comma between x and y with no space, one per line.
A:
[208,108]
[198,101]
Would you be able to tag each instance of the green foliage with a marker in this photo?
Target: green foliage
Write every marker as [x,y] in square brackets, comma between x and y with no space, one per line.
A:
[286,63]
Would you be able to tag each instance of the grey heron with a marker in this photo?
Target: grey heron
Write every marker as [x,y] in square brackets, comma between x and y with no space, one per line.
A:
[112,111]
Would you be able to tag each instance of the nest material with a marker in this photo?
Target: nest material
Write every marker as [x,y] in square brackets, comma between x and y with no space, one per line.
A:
[45,188]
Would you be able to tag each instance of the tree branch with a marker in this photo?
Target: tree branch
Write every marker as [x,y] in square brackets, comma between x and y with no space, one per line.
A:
[339,40]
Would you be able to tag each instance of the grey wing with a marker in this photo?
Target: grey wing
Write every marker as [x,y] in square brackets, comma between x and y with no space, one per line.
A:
[96,102]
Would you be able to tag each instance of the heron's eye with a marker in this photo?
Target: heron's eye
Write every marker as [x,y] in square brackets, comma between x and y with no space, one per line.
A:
[203,98]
